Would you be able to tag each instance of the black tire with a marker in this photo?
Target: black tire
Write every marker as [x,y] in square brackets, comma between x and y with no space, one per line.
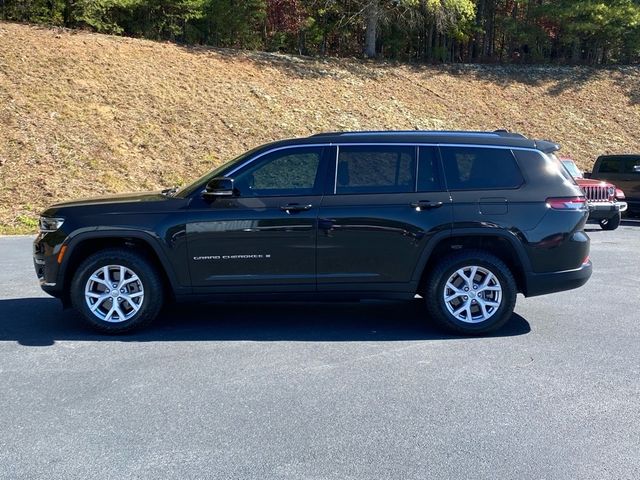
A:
[435,289]
[611,223]
[149,306]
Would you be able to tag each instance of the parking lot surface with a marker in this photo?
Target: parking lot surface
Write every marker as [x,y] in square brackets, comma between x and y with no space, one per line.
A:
[326,391]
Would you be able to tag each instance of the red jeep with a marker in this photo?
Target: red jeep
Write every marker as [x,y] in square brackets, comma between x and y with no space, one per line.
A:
[606,201]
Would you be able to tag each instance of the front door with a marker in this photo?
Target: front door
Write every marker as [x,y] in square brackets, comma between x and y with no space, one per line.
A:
[265,234]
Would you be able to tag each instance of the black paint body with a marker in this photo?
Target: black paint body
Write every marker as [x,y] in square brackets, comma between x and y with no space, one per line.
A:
[361,245]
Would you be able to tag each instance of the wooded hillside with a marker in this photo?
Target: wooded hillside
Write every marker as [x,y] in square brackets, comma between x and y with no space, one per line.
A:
[589,32]
[83,114]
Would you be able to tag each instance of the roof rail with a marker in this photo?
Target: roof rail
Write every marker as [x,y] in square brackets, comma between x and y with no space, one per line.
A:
[496,133]
[506,133]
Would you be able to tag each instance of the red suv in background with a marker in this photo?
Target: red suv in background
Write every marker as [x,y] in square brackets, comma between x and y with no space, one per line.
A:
[606,201]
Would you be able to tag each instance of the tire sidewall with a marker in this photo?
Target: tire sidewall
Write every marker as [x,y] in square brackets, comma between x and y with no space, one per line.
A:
[612,222]
[498,318]
[137,265]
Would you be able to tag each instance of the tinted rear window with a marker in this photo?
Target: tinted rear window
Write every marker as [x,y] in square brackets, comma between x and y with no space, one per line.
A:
[376,169]
[471,168]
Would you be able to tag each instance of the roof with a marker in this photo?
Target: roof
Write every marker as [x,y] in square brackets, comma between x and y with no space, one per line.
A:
[498,138]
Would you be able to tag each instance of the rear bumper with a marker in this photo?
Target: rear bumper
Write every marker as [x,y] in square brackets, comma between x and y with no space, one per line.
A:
[551,282]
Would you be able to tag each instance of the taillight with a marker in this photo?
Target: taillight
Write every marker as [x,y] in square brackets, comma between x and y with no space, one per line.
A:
[570,203]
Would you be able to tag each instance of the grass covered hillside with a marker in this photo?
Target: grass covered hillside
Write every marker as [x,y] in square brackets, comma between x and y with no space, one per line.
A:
[84,114]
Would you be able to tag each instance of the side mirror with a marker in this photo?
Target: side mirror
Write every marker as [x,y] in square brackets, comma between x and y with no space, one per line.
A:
[218,187]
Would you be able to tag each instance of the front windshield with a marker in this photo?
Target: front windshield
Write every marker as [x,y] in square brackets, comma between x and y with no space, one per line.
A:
[572,168]
[188,189]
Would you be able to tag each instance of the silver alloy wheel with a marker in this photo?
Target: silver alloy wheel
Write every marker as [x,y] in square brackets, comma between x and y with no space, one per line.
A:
[114,293]
[472,294]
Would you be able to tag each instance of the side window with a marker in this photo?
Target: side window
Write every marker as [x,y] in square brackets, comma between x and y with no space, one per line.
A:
[632,165]
[610,165]
[376,169]
[286,172]
[428,170]
[472,168]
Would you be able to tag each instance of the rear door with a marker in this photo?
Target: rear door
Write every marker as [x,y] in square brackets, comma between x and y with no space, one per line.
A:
[383,204]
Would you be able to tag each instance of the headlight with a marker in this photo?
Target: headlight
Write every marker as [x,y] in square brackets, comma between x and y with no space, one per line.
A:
[50,224]
[612,191]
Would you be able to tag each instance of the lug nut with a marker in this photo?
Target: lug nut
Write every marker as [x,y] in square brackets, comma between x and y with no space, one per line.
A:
[115,285]
[475,287]
[466,289]
[465,298]
[122,290]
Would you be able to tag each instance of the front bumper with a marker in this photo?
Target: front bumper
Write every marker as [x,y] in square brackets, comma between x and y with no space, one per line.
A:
[46,247]
[551,282]
[602,210]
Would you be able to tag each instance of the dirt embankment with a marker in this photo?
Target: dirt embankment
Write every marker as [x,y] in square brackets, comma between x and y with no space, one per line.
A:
[84,114]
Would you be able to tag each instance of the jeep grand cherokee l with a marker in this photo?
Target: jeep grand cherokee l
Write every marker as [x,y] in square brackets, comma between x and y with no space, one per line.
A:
[466,220]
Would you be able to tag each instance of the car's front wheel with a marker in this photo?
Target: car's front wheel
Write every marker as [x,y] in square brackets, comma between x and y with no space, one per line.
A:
[471,292]
[611,223]
[117,291]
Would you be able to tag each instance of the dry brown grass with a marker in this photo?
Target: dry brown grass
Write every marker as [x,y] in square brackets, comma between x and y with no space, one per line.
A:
[84,114]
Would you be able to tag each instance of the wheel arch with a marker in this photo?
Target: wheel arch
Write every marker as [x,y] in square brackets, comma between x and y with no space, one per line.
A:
[502,244]
[80,247]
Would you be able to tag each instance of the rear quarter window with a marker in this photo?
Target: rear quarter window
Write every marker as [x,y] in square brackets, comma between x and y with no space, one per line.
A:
[473,168]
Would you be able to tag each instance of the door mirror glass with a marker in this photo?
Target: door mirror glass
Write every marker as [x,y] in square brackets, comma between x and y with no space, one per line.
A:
[219,187]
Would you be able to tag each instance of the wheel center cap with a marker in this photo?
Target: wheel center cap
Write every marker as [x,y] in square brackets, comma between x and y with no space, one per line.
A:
[472,294]
[115,293]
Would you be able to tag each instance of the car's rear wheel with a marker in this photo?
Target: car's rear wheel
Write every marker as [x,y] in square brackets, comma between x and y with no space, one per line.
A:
[611,223]
[471,292]
[117,291]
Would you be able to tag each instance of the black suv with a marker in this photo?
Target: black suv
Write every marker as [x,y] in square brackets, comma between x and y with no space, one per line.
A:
[465,220]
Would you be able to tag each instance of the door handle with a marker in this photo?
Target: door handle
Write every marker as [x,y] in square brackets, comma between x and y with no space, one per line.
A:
[295,207]
[426,205]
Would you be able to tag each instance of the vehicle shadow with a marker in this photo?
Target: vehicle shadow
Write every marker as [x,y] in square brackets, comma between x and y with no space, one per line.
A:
[42,321]
[593,226]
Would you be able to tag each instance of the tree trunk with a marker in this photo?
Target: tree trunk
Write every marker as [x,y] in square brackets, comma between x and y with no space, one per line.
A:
[66,13]
[477,52]
[372,13]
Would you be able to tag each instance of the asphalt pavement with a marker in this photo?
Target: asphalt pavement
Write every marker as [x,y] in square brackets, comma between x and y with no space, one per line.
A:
[326,391]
